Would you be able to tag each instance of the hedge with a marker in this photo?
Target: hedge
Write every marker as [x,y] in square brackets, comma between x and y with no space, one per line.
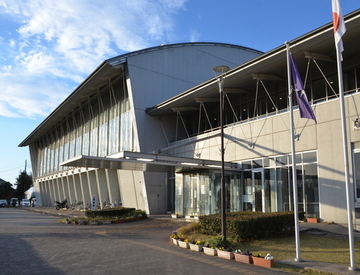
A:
[109,212]
[246,225]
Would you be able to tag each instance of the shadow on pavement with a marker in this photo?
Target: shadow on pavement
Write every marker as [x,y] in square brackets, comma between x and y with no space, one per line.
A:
[18,257]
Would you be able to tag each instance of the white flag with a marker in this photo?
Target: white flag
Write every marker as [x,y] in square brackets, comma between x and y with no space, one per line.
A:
[339,25]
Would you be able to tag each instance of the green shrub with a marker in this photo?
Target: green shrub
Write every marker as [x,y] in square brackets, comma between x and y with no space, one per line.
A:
[139,212]
[110,212]
[243,226]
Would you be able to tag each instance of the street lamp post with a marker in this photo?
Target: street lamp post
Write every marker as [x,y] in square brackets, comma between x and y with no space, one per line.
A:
[221,70]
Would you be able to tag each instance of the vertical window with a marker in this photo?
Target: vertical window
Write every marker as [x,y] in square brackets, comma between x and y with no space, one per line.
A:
[319,89]
[356,169]
[282,100]
[349,80]
[334,89]
[311,189]
[282,182]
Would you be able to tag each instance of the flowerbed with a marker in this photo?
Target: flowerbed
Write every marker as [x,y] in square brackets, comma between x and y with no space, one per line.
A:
[134,216]
[223,250]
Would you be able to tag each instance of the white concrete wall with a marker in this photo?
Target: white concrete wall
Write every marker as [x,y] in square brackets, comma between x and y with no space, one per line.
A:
[272,137]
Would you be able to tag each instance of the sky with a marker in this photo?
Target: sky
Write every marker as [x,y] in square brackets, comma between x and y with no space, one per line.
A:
[47,47]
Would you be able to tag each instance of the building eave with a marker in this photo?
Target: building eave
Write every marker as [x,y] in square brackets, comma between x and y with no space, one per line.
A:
[271,61]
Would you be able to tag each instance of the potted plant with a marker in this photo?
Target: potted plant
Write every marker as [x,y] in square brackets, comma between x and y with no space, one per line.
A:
[243,257]
[267,261]
[174,237]
[209,250]
[184,243]
[312,220]
[225,253]
[119,220]
[82,222]
[138,217]
[196,246]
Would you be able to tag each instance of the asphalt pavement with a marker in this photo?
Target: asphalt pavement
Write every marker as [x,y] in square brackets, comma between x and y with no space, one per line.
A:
[33,242]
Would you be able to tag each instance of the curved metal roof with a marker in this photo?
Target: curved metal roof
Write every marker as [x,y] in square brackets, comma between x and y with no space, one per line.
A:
[241,78]
[118,60]
[107,69]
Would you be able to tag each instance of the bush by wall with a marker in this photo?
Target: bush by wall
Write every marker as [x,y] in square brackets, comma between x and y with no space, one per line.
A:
[110,212]
[244,226]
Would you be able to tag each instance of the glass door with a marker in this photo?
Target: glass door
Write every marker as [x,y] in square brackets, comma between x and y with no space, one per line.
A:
[247,192]
[253,190]
[258,187]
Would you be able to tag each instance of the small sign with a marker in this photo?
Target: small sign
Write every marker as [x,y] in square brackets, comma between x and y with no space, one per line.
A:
[93,202]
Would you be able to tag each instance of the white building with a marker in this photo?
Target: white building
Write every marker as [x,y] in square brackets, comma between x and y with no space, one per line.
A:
[106,115]
[161,107]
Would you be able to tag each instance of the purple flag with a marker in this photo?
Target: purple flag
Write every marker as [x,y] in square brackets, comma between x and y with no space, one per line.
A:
[304,105]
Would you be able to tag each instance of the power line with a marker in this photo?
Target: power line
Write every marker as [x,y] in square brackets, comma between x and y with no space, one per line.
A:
[12,169]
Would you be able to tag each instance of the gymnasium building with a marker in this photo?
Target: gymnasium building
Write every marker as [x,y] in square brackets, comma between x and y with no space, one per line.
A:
[143,130]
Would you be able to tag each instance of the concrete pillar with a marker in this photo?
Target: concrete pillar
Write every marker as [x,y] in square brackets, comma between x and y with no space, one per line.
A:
[71,193]
[42,191]
[54,189]
[46,192]
[119,186]
[62,193]
[127,188]
[85,189]
[38,193]
[77,188]
[66,189]
[113,186]
[102,187]
[91,178]
[50,186]
[58,189]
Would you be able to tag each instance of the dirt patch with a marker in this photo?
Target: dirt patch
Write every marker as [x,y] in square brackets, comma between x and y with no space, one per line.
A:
[326,234]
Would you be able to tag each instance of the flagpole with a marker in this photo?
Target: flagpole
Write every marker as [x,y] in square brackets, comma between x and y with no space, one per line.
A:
[295,193]
[349,203]
[339,30]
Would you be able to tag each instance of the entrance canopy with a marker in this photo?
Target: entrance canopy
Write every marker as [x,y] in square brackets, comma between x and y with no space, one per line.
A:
[126,160]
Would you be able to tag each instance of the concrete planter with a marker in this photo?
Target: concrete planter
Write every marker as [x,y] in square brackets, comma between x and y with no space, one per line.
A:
[210,251]
[247,259]
[196,247]
[263,262]
[225,254]
[183,244]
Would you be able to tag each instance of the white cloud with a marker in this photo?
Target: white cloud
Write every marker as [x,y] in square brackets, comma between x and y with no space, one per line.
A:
[12,43]
[194,35]
[27,96]
[62,43]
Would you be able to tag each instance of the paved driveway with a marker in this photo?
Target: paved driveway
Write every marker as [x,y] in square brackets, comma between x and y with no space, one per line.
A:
[34,243]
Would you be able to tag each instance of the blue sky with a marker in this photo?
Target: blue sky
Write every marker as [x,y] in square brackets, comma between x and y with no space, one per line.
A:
[47,48]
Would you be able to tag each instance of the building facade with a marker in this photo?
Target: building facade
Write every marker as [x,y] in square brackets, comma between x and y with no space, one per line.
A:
[149,137]
[106,115]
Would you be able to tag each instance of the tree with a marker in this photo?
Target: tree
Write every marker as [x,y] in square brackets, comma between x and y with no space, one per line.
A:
[6,190]
[23,182]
